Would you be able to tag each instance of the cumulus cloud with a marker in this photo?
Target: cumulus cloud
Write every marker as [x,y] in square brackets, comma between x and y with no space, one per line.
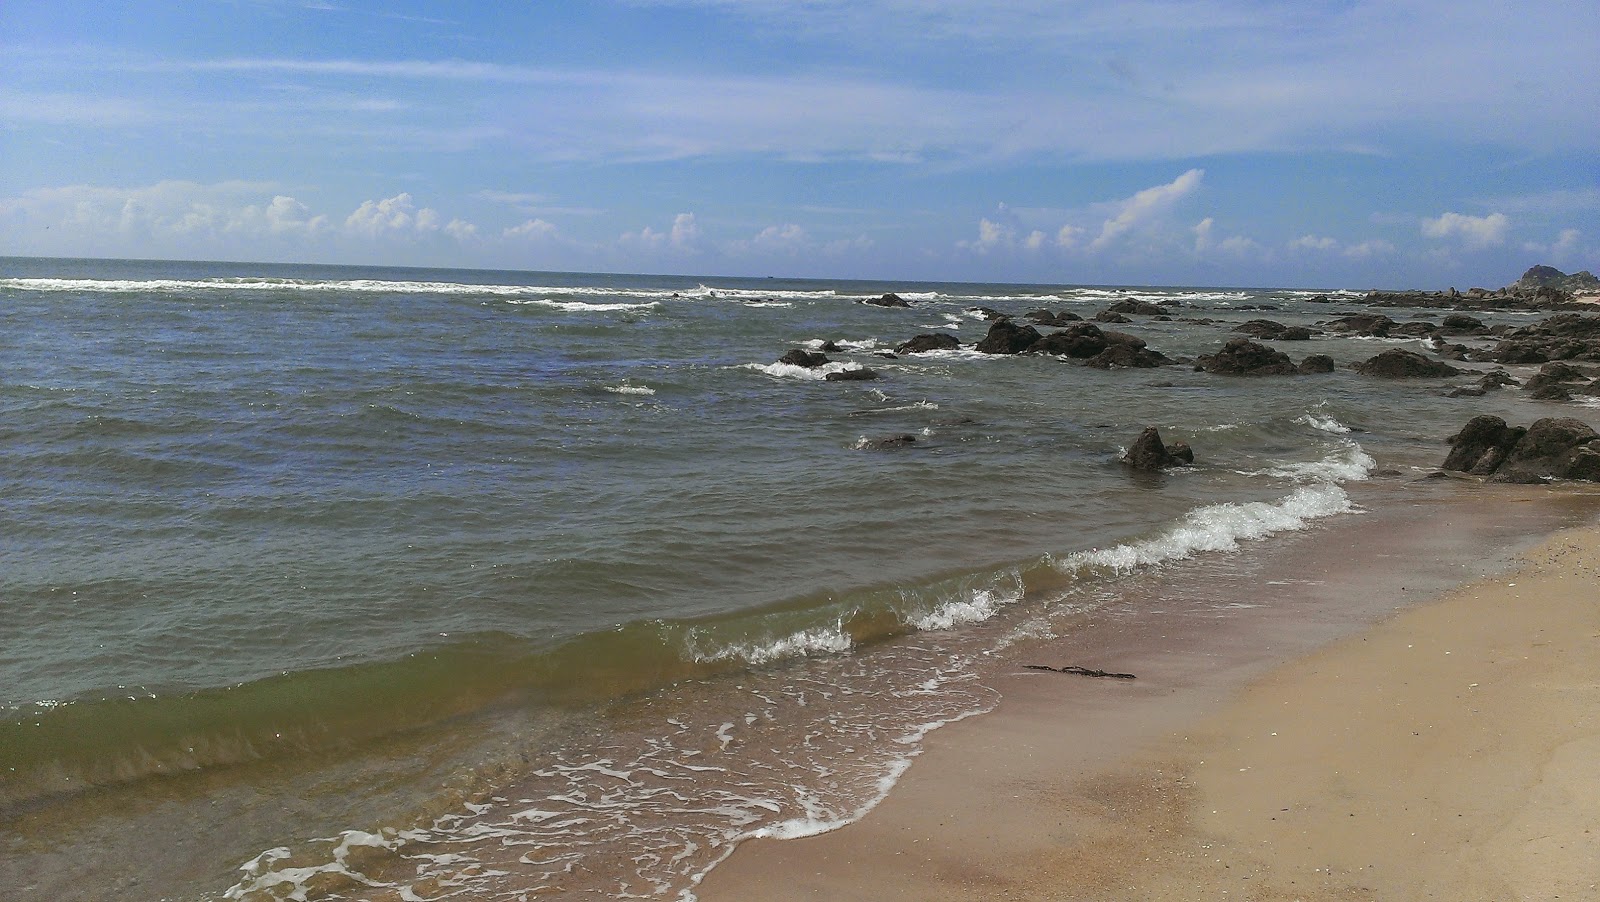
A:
[683,236]
[1473,231]
[1206,241]
[531,230]
[1146,206]
[1313,243]
[396,215]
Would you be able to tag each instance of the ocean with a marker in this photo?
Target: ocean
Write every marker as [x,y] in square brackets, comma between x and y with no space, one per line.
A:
[325,582]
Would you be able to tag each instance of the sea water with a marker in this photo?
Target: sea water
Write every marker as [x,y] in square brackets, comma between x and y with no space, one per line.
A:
[346,582]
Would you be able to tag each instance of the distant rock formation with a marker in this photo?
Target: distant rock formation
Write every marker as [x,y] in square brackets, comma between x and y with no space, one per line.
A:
[888,300]
[1549,277]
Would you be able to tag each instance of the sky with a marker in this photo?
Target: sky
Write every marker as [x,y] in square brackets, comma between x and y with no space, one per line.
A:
[1317,143]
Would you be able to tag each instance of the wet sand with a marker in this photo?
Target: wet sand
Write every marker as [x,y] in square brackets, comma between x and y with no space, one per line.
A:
[1358,712]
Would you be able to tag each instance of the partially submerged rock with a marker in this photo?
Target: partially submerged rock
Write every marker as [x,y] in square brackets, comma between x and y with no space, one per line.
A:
[1243,357]
[1398,363]
[859,374]
[1315,364]
[807,359]
[888,300]
[1552,448]
[1149,453]
[1006,337]
[1272,330]
[929,341]
[886,442]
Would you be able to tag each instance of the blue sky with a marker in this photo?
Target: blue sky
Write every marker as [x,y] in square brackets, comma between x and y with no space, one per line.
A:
[1423,143]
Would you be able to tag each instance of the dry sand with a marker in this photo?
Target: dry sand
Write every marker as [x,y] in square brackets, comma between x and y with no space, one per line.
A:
[1452,751]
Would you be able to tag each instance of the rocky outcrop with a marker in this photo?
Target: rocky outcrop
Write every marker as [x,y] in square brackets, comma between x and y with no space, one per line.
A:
[888,300]
[1549,277]
[1565,336]
[1398,363]
[1137,307]
[1482,445]
[1119,355]
[1315,364]
[928,341]
[1243,357]
[1272,330]
[1078,340]
[807,359]
[886,442]
[1371,325]
[1048,318]
[1559,381]
[1110,316]
[1552,448]
[1149,453]
[1006,337]
[1462,324]
[859,374]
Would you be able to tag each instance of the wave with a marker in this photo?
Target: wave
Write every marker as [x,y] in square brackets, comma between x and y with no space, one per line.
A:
[585,306]
[803,373]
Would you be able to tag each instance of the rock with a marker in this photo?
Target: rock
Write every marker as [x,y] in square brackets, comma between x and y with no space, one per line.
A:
[988,313]
[807,359]
[1419,329]
[1243,357]
[1370,324]
[1549,277]
[1553,448]
[1047,318]
[1136,306]
[1452,352]
[1078,340]
[1110,316]
[929,341]
[1316,363]
[1271,330]
[1549,384]
[860,374]
[1006,337]
[1462,324]
[1482,445]
[1126,355]
[1496,378]
[887,442]
[1466,391]
[888,300]
[1122,338]
[1565,336]
[1398,363]
[1148,453]
[830,347]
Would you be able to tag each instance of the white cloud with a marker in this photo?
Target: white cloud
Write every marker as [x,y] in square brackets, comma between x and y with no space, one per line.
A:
[461,230]
[1313,243]
[1146,206]
[1375,247]
[396,215]
[683,236]
[1473,231]
[532,230]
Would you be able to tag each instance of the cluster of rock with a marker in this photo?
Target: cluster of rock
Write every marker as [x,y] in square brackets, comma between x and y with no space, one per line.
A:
[1540,288]
[1565,336]
[1080,340]
[815,360]
[1552,448]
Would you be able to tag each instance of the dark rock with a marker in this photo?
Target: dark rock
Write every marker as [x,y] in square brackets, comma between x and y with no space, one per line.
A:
[1078,340]
[1122,338]
[887,442]
[889,300]
[1452,352]
[1467,391]
[1316,363]
[807,359]
[1564,336]
[1136,306]
[1462,324]
[1047,318]
[1398,363]
[1006,337]
[1482,445]
[1420,329]
[1243,357]
[1370,324]
[1271,330]
[1125,355]
[1553,448]
[860,374]
[1549,277]
[988,313]
[1110,316]
[1148,453]
[1496,378]
[929,341]
[830,347]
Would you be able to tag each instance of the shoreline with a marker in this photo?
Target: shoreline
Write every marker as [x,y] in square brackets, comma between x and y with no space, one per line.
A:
[1079,788]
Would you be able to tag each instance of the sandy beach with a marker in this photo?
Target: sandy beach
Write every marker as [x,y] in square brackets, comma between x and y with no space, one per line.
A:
[1342,742]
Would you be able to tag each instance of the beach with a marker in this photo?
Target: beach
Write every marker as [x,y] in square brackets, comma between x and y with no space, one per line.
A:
[1440,752]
